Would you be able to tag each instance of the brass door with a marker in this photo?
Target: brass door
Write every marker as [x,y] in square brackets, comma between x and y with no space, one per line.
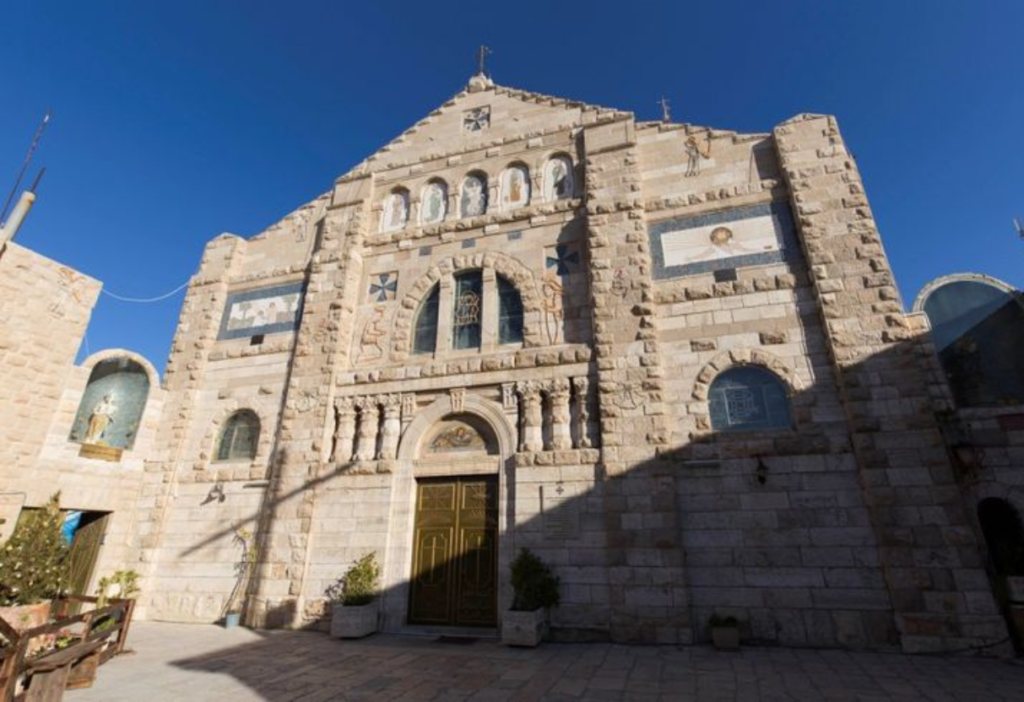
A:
[454,566]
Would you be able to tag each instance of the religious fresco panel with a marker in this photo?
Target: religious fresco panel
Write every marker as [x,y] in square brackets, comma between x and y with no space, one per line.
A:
[262,311]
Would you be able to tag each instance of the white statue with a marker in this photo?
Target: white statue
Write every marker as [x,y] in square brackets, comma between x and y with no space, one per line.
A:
[102,416]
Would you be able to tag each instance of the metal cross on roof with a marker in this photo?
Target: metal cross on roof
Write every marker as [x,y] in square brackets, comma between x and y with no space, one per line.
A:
[666,110]
[481,58]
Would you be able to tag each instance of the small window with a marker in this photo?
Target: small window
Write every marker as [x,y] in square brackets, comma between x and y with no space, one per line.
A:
[466,310]
[510,313]
[239,437]
[425,337]
[748,398]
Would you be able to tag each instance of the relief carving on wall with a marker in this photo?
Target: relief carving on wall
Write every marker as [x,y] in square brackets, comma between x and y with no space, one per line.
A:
[552,307]
[458,396]
[70,288]
[373,341]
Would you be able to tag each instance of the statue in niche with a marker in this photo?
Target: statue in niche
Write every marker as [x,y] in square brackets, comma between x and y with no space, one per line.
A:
[434,203]
[371,343]
[559,179]
[102,417]
[396,211]
[694,154]
[474,197]
[516,190]
[552,305]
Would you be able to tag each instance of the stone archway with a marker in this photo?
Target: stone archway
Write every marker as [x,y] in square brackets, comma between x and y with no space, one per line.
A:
[416,468]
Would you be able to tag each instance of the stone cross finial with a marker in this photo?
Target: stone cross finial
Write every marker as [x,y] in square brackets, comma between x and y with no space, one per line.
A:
[481,58]
[666,110]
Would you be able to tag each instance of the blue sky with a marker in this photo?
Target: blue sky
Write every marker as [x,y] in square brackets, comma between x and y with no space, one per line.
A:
[174,122]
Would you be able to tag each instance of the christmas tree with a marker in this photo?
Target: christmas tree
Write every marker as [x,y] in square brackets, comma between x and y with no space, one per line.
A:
[34,561]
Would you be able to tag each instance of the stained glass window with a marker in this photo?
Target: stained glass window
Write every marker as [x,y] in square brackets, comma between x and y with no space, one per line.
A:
[510,313]
[466,310]
[748,398]
[239,437]
[425,337]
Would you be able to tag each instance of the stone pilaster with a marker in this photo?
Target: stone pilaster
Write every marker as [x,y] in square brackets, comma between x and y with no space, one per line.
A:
[345,430]
[630,398]
[581,390]
[929,554]
[321,349]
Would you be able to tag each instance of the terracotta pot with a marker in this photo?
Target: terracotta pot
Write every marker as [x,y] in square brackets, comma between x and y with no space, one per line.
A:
[23,617]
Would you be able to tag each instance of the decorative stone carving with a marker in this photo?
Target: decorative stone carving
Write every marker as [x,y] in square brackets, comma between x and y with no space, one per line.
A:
[533,418]
[70,283]
[345,430]
[408,407]
[553,310]
[369,421]
[559,392]
[581,388]
[508,396]
[307,400]
[392,426]
[373,340]
[458,396]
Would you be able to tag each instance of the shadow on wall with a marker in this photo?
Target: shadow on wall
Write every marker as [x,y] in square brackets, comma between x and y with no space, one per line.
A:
[848,528]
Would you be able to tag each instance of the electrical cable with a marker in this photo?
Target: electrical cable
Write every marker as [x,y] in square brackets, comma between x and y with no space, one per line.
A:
[158,298]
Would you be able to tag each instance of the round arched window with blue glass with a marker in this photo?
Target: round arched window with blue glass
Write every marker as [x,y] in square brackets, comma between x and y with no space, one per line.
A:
[748,398]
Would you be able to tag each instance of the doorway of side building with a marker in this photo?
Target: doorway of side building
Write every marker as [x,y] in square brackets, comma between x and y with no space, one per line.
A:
[86,541]
[1004,538]
[455,552]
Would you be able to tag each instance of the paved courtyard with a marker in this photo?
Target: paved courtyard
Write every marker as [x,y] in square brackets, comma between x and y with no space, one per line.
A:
[203,662]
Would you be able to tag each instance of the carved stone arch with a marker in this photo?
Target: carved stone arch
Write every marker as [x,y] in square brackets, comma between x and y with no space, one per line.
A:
[108,354]
[503,264]
[933,285]
[264,444]
[488,411]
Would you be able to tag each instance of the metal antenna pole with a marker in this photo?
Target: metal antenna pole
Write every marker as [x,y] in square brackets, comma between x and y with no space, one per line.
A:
[28,160]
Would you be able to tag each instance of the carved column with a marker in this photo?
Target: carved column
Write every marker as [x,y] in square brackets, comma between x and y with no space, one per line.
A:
[582,389]
[369,420]
[561,436]
[533,418]
[345,430]
[490,311]
[392,427]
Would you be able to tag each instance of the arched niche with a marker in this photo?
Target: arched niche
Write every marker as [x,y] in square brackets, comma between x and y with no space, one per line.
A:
[978,330]
[112,404]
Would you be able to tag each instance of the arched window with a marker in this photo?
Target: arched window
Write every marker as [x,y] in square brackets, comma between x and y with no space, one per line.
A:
[396,210]
[466,321]
[473,197]
[559,183]
[425,335]
[748,398]
[471,299]
[515,187]
[434,202]
[510,313]
[978,330]
[239,437]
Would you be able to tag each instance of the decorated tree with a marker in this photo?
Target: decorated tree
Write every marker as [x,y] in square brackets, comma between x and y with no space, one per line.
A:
[34,562]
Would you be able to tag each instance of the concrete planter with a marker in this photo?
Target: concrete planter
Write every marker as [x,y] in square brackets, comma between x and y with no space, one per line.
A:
[524,628]
[1015,588]
[353,622]
[726,638]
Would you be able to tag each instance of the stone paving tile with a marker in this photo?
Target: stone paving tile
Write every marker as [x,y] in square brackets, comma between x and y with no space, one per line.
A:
[200,662]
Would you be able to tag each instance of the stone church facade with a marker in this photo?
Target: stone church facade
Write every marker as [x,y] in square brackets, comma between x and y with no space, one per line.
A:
[670,360]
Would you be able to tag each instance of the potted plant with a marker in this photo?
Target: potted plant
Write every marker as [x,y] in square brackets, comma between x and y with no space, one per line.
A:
[354,598]
[33,567]
[536,591]
[243,571]
[123,584]
[725,632]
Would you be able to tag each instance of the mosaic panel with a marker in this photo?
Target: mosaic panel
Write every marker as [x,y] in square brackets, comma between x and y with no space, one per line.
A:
[262,311]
